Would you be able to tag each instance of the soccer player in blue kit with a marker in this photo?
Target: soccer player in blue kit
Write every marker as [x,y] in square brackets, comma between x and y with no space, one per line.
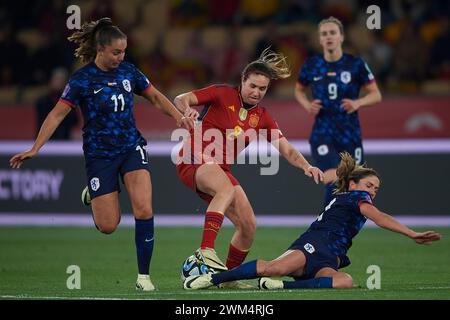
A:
[112,145]
[314,259]
[335,79]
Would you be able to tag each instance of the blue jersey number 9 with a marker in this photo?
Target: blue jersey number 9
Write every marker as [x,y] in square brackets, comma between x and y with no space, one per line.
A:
[332,91]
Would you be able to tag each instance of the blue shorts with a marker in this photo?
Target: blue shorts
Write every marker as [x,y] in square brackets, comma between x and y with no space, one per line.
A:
[326,153]
[103,174]
[317,254]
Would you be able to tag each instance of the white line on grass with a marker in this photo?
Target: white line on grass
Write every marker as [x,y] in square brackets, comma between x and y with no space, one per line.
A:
[434,288]
[147,296]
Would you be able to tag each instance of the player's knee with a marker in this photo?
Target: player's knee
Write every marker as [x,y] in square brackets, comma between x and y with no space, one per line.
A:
[106,228]
[343,281]
[228,192]
[143,211]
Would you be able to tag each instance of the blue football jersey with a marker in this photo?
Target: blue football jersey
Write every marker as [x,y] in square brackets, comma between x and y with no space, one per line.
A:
[106,102]
[341,220]
[330,83]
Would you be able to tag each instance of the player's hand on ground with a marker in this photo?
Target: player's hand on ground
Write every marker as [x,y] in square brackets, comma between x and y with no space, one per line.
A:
[16,161]
[315,173]
[426,237]
[349,106]
[314,107]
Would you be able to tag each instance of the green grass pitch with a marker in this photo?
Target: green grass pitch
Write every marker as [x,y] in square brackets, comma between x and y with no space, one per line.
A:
[34,261]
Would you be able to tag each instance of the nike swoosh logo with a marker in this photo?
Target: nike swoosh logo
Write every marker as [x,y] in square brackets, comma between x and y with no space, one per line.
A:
[317,78]
[97,91]
[263,284]
[148,240]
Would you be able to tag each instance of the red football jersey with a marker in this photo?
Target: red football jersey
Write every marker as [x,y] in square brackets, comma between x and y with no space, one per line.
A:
[226,127]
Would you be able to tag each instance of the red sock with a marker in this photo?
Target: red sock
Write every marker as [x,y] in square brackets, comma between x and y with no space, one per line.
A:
[213,222]
[235,257]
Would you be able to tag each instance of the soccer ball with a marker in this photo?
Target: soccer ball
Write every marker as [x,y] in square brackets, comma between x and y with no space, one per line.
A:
[193,267]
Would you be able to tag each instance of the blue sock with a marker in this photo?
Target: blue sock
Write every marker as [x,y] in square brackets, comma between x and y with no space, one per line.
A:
[244,271]
[144,244]
[328,194]
[316,283]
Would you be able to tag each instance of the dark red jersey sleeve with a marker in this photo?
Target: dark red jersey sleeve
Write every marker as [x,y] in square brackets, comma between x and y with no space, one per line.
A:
[206,95]
[268,123]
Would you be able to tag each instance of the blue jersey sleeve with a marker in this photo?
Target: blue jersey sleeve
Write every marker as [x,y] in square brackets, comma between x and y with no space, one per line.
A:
[72,93]
[141,82]
[304,77]
[365,74]
[362,197]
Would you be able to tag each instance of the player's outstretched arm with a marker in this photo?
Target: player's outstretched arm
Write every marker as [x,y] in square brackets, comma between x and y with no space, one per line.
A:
[386,221]
[184,101]
[51,122]
[294,157]
[162,103]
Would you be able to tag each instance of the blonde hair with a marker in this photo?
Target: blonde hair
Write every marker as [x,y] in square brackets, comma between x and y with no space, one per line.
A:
[93,34]
[270,64]
[334,20]
[348,171]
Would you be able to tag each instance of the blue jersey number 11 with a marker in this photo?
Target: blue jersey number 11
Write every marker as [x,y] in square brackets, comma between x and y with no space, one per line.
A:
[116,104]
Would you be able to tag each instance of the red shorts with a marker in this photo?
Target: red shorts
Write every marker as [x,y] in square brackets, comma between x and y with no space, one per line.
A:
[186,173]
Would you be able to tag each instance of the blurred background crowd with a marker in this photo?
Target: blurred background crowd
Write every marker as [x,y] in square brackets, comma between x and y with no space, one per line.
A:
[182,44]
[185,44]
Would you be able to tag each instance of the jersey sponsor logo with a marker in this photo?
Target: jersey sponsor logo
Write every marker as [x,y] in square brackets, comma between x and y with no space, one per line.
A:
[309,248]
[322,150]
[243,114]
[66,90]
[346,76]
[231,108]
[95,184]
[253,121]
[97,91]
[126,85]
[317,78]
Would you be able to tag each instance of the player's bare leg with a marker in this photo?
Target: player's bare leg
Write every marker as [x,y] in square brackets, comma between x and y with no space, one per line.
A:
[241,214]
[341,280]
[291,263]
[212,180]
[106,212]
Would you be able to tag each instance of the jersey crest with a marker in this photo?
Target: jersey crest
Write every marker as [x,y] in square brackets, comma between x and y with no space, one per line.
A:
[346,77]
[243,114]
[126,85]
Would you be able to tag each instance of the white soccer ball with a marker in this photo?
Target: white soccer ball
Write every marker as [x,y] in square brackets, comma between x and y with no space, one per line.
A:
[194,267]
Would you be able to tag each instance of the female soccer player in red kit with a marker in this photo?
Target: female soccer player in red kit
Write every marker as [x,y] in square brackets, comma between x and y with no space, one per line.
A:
[233,117]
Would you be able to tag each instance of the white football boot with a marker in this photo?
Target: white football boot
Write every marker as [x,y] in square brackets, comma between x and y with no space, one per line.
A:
[270,284]
[143,283]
